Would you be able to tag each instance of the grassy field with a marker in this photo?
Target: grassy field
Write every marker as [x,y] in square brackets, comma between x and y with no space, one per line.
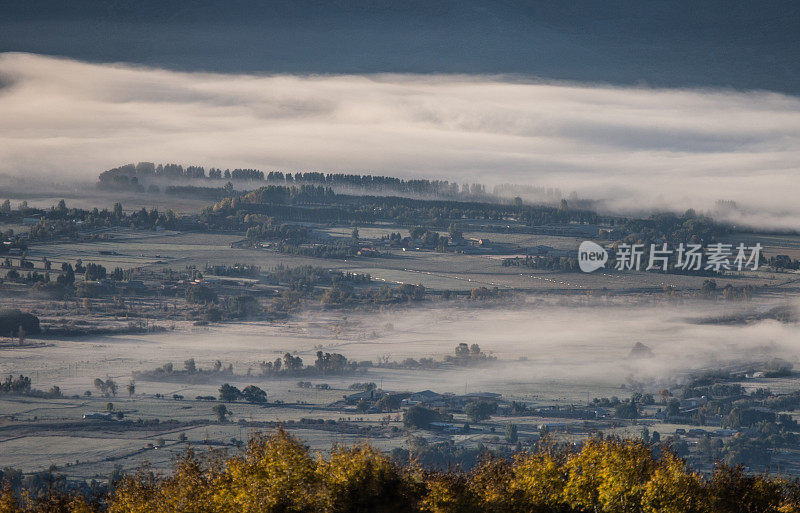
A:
[548,353]
[452,271]
[555,344]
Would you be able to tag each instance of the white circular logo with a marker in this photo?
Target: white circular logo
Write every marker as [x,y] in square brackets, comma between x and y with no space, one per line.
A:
[591,256]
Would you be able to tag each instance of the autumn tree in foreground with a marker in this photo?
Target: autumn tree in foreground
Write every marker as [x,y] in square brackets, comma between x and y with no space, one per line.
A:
[278,474]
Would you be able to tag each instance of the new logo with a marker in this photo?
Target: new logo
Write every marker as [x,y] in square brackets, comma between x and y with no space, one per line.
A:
[591,256]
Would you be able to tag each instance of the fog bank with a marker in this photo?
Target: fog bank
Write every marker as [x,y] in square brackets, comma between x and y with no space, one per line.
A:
[631,147]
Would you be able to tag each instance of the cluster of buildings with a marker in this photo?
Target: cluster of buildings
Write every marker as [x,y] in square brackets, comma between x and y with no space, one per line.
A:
[428,398]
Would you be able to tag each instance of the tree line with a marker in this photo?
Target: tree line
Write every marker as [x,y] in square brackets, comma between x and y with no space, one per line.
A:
[277,473]
[135,176]
[318,204]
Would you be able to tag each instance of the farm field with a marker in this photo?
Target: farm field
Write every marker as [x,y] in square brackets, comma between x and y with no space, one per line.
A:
[556,342]
[438,271]
[540,361]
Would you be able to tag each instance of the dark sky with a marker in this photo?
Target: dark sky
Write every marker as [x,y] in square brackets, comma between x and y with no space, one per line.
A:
[730,44]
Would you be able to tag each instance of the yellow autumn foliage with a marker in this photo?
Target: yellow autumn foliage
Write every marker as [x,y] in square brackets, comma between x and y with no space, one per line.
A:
[449,493]
[278,474]
[275,474]
[538,481]
[361,479]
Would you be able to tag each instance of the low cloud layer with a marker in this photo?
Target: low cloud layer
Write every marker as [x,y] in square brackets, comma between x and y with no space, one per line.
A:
[633,147]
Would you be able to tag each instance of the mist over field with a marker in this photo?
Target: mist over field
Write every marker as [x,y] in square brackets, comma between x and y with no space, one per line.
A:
[542,348]
[632,149]
[574,343]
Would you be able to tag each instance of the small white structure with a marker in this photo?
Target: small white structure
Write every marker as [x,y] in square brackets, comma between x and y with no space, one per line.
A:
[97,415]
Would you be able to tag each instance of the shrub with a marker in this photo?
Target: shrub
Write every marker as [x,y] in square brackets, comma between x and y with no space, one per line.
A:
[12,320]
[200,294]
[480,410]
[419,417]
